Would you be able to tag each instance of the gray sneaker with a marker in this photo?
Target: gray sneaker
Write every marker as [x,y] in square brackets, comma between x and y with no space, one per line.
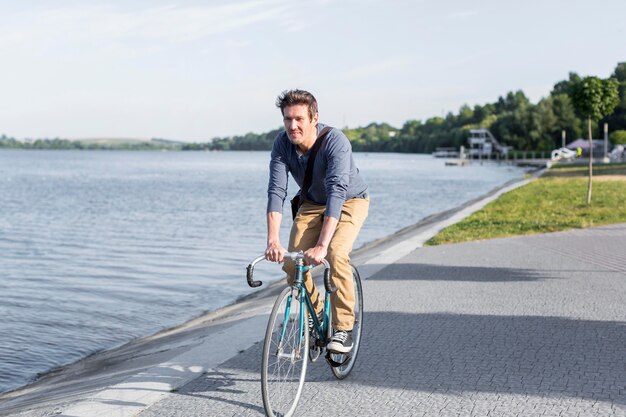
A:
[341,342]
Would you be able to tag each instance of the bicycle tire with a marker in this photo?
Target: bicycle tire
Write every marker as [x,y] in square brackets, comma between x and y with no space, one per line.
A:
[344,370]
[284,367]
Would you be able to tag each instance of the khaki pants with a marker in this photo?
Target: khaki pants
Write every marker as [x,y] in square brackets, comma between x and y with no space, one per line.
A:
[304,234]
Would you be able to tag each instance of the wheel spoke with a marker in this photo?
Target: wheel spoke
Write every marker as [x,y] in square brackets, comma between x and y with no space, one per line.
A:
[284,363]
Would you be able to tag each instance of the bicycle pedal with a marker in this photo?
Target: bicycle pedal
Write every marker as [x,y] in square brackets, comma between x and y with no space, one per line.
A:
[334,363]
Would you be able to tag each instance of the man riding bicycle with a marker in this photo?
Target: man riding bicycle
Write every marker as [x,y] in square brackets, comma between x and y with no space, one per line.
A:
[333,208]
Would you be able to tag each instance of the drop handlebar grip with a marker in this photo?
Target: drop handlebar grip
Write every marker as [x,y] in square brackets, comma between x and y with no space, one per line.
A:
[327,284]
[250,273]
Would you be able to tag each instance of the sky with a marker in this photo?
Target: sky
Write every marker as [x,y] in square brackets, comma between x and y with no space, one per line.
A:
[194,70]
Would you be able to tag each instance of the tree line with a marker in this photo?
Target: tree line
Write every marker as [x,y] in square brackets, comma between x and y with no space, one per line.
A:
[513,119]
[57,143]
[247,142]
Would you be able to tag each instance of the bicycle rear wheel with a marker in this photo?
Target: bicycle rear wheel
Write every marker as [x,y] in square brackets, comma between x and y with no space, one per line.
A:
[285,355]
[348,360]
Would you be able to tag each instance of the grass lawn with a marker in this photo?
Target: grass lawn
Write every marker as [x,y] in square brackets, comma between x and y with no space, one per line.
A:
[576,170]
[556,201]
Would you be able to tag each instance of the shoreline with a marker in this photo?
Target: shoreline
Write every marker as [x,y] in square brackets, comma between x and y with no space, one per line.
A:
[70,383]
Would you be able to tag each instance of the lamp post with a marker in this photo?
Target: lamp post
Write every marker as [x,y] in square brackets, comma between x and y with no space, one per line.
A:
[606,159]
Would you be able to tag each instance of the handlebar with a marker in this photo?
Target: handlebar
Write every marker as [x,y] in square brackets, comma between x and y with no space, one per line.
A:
[294,256]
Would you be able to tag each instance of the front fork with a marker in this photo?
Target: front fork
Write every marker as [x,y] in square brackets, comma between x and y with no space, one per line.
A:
[300,292]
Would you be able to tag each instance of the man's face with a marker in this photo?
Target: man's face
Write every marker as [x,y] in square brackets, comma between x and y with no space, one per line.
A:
[300,129]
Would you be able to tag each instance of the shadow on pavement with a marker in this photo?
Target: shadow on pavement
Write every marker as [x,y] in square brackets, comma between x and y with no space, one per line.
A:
[539,356]
[430,272]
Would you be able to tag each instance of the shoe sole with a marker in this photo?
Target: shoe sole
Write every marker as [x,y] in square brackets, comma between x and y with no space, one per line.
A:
[337,348]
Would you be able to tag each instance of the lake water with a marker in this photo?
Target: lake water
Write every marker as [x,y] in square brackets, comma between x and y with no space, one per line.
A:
[98,248]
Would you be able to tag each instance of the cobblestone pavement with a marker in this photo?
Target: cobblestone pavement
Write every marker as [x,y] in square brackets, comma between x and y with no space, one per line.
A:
[524,326]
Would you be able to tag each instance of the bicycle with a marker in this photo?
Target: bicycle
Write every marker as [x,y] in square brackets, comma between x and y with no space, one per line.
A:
[288,346]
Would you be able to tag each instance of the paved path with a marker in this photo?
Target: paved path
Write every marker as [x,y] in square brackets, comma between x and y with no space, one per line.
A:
[524,326]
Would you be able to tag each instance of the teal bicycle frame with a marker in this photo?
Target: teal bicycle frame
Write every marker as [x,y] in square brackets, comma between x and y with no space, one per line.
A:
[289,344]
[322,329]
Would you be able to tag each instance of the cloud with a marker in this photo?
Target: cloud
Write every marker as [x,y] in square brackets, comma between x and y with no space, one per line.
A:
[105,23]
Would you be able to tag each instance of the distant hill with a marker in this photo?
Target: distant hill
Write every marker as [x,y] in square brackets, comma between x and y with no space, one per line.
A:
[168,142]
[129,141]
[111,141]
[93,143]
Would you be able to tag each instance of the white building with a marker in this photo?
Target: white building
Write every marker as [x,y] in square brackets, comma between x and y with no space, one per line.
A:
[482,144]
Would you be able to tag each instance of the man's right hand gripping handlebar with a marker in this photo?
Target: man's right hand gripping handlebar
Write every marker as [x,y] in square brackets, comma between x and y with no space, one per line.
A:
[284,254]
[275,252]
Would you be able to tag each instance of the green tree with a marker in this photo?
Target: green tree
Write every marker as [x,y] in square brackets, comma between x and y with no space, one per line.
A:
[595,98]
[618,137]
[620,72]
[565,86]
[545,125]
[514,121]
[466,115]
[617,120]
[565,113]
[483,115]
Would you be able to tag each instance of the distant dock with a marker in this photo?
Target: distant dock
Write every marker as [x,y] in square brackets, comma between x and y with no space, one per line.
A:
[517,158]
[446,152]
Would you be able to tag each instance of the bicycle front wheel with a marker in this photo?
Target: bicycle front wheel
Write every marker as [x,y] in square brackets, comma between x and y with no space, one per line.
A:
[347,360]
[285,354]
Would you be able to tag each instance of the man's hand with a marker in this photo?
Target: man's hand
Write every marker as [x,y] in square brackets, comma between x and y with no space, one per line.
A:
[315,255]
[275,252]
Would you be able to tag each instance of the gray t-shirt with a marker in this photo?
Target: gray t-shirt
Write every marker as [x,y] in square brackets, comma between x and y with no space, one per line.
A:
[335,176]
